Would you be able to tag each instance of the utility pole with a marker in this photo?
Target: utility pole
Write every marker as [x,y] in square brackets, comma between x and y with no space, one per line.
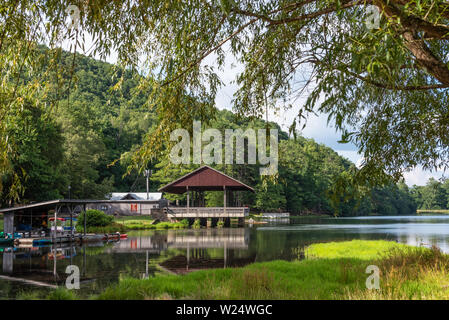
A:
[147,175]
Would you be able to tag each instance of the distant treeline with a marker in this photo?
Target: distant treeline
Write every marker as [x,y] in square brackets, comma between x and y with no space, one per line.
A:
[86,142]
[433,196]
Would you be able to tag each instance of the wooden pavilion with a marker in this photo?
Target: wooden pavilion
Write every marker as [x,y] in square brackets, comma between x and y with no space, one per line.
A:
[195,184]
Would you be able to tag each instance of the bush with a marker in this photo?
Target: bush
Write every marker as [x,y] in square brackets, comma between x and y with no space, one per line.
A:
[95,218]
[185,223]
[196,224]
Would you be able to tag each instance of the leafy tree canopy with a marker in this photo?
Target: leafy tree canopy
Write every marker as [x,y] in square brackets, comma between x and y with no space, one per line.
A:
[385,88]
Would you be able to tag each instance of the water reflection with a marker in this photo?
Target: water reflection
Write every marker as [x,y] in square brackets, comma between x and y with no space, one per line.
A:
[145,254]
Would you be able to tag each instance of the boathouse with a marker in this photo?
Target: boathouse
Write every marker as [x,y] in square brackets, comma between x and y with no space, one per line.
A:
[195,184]
[34,218]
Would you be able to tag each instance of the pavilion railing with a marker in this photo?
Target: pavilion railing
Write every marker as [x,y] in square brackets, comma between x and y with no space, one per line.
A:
[208,212]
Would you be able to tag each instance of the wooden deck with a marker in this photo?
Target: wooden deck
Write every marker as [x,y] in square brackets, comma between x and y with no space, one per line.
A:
[205,212]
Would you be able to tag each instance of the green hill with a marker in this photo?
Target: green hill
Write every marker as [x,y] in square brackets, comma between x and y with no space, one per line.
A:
[86,140]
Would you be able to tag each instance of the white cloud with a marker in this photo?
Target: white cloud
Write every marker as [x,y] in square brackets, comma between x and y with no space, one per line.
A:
[420,177]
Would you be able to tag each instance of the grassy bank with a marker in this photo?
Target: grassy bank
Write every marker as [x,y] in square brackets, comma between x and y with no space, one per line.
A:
[442,211]
[331,271]
[112,228]
[335,270]
[145,223]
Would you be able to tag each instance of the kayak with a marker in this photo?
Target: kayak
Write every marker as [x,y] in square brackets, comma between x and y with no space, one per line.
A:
[6,242]
[115,236]
[41,241]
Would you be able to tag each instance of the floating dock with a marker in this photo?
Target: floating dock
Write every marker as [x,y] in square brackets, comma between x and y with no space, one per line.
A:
[90,237]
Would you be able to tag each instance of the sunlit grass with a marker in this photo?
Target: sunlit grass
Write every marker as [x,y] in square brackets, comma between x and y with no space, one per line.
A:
[335,270]
[145,223]
[359,249]
[440,211]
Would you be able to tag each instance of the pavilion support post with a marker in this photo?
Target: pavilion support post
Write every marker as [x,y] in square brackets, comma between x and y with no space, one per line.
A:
[225,251]
[224,199]
[188,256]
[146,266]
[188,199]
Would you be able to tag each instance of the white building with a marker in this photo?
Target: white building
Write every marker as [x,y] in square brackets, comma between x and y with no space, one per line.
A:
[152,196]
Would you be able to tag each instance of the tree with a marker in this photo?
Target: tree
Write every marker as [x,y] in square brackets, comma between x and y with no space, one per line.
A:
[270,196]
[39,156]
[84,149]
[385,88]
[432,196]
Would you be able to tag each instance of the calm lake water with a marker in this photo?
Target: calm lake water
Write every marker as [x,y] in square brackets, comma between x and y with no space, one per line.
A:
[147,253]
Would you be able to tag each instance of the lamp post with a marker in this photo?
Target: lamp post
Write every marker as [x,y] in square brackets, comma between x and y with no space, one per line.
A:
[147,175]
[69,191]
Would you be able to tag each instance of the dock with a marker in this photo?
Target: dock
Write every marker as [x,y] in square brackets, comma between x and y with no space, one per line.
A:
[80,238]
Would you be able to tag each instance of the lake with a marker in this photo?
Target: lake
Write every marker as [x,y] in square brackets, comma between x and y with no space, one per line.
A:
[148,253]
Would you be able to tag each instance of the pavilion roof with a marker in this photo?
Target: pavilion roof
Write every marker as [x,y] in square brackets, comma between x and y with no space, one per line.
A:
[205,178]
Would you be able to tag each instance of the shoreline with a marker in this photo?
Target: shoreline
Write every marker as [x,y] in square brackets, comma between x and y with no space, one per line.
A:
[332,270]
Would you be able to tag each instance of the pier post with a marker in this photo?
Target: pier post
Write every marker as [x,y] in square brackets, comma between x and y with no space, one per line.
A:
[55,224]
[71,223]
[8,222]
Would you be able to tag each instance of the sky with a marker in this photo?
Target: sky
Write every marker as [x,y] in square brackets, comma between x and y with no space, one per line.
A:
[317,127]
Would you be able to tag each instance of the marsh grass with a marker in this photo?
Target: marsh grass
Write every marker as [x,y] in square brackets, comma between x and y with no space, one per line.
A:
[410,273]
[333,271]
[438,211]
[112,228]
[62,294]
[145,223]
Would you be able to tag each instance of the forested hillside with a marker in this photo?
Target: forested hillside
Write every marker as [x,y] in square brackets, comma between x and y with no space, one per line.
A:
[85,142]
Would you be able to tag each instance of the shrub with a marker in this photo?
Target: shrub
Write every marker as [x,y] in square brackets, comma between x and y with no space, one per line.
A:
[62,294]
[196,224]
[185,223]
[95,218]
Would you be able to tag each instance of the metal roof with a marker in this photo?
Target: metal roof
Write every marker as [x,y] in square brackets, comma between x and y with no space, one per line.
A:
[205,179]
[153,196]
[54,203]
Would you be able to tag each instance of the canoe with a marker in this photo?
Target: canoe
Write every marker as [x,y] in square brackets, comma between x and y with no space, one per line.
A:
[115,236]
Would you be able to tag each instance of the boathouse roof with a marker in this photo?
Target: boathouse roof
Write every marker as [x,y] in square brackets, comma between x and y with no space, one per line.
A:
[49,205]
[152,196]
[205,178]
